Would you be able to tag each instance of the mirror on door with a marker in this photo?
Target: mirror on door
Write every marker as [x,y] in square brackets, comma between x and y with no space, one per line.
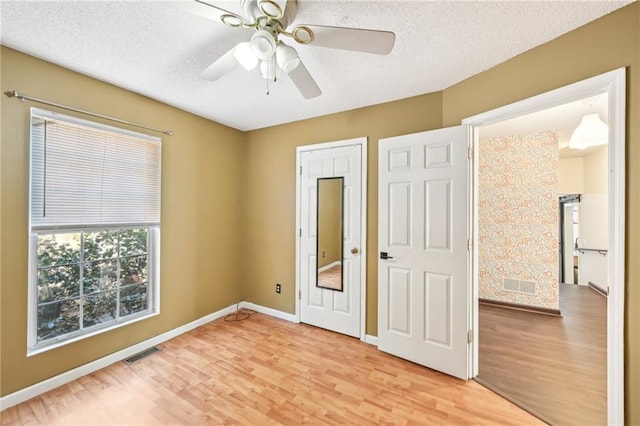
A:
[330,236]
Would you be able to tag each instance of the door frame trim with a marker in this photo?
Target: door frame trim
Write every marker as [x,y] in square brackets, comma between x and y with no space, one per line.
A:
[614,84]
[362,141]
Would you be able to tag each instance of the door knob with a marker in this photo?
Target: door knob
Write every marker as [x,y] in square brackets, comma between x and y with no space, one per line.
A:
[355,250]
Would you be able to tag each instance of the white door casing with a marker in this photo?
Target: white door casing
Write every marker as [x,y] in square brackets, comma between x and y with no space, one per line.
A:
[423,226]
[614,84]
[338,311]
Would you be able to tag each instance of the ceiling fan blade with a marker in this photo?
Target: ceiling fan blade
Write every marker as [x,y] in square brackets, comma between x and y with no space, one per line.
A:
[358,40]
[206,10]
[223,65]
[304,82]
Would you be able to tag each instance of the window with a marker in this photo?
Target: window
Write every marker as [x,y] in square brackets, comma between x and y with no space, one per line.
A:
[94,228]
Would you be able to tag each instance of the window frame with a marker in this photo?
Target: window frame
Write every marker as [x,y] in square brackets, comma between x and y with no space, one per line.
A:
[153,254]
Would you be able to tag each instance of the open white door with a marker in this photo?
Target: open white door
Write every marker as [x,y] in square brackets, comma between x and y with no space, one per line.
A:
[424,286]
[337,310]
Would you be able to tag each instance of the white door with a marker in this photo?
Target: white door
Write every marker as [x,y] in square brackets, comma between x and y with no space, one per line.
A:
[323,307]
[424,291]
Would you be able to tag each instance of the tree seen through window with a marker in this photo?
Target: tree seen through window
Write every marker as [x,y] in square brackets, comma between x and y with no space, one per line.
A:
[86,279]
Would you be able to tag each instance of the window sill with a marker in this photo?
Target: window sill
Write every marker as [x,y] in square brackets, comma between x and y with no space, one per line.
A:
[47,346]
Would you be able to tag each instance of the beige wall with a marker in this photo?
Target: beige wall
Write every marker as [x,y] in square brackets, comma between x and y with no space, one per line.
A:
[596,177]
[269,212]
[571,176]
[518,219]
[201,196]
[594,219]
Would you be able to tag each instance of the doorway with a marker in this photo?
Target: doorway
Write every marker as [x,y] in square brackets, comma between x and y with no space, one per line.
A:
[612,84]
[330,231]
[527,168]
[569,235]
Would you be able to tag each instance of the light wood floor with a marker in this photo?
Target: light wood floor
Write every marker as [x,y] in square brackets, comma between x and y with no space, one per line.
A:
[555,367]
[331,278]
[265,371]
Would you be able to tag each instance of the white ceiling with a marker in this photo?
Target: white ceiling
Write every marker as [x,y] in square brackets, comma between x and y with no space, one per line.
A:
[157,49]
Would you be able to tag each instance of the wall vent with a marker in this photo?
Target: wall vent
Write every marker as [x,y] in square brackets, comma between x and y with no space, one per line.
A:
[528,287]
[511,285]
[140,355]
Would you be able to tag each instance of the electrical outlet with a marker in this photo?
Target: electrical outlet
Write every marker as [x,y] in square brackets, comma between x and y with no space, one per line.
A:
[278,288]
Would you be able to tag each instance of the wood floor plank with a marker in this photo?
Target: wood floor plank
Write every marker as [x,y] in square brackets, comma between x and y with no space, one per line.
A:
[265,371]
[555,366]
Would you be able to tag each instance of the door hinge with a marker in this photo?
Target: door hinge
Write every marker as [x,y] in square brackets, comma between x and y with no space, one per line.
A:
[300,232]
[299,294]
[469,336]
[470,153]
[300,170]
[469,245]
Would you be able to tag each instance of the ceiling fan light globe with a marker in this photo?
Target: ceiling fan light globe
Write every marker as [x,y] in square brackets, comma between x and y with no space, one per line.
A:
[287,58]
[263,44]
[250,9]
[245,56]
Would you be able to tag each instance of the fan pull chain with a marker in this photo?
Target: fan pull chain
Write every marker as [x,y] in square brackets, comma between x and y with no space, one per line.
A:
[268,80]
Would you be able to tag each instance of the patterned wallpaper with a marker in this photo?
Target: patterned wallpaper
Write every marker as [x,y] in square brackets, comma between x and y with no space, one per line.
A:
[518,218]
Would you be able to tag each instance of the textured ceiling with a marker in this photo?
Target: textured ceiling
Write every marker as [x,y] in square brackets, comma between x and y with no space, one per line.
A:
[157,49]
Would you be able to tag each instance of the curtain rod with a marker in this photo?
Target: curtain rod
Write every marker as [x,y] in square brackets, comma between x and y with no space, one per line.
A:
[23,97]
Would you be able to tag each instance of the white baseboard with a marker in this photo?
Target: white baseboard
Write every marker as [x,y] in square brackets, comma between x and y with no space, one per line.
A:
[61,379]
[46,385]
[269,311]
[372,340]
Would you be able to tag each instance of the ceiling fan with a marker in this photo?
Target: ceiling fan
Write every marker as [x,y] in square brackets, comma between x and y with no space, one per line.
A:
[266,47]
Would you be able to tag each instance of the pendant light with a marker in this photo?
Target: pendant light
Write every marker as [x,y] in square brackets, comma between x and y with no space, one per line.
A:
[590,132]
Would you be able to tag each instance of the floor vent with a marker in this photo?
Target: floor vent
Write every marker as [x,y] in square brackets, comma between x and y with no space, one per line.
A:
[140,355]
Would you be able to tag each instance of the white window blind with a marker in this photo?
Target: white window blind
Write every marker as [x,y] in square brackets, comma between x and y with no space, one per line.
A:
[85,174]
